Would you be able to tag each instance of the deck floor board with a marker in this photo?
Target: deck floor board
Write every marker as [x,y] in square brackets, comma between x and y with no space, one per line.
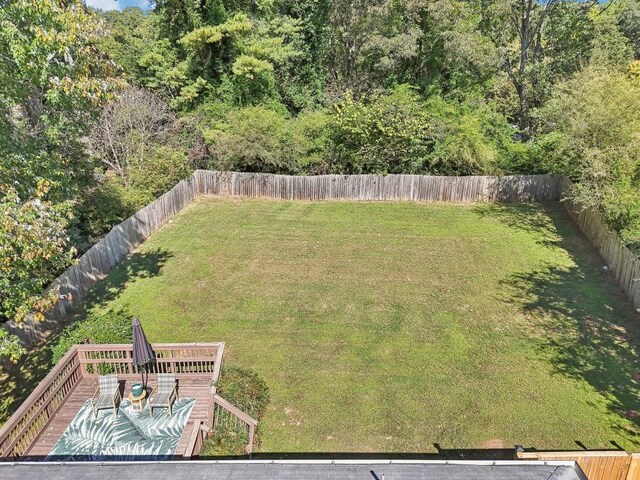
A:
[197,388]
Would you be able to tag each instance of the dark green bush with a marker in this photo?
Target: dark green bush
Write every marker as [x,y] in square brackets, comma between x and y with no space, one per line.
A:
[400,132]
[110,327]
[162,168]
[102,208]
[249,392]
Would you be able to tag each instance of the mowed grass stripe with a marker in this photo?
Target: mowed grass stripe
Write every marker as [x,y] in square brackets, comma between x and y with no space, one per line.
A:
[388,327]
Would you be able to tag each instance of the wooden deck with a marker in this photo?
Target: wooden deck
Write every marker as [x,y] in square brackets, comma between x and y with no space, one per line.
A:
[198,388]
[36,426]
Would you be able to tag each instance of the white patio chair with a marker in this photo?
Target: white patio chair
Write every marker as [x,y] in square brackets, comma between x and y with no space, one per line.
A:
[165,394]
[107,395]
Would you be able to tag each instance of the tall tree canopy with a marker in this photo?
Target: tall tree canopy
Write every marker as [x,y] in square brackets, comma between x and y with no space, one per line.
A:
[103,111]
[53,81]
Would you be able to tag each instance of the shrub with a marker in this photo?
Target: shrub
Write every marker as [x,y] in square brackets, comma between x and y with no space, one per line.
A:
[160,171]
[595,119]
[252,139]
[260,139]
[469,139]
[400,133]
[385,134]
[110,327]
[102,208]
[247,391]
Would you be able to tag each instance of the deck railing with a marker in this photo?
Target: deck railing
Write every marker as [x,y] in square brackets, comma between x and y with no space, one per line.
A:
[88,361]
[185,360]
[227,414]
[24,426]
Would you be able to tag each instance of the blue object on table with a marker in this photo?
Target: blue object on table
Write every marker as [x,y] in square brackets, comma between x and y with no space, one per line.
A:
[136,389]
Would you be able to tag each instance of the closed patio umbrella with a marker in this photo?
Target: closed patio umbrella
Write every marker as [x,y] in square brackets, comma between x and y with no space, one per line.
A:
[143,354]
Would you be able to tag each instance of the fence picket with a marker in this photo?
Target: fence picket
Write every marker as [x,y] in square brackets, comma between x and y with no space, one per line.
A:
[128,235]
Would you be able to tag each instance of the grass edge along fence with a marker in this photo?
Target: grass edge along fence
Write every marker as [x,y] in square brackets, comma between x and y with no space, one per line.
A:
[100,259]
[623,264]
[124,238]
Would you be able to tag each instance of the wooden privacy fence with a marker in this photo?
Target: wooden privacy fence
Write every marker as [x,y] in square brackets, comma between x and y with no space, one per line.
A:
[596,465]
[517,188]
[98,261]
[621,261]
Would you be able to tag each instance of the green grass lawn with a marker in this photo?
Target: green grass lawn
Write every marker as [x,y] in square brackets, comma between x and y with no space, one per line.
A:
[388,327]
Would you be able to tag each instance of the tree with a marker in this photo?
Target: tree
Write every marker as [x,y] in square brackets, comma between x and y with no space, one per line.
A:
[53,80]
[131,32]
[370,44]
[127,128]
[521,31]
[34,248]
[628,17]
[593,121]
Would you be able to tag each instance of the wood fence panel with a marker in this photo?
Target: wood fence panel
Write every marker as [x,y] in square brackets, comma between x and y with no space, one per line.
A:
[623,264]
[596,465]
[518,188]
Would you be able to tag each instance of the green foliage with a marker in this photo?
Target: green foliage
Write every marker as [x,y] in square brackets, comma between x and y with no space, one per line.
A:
[628,18]
[401,133]
[131,34]
[101,208]
[162,71]
[307,87]
[261,139]
[109,327]
[34,247]
[10,348]
[249,392]
[469,139]
[115,199]
[53,79]
[159,171]
[594,120]
[388,134]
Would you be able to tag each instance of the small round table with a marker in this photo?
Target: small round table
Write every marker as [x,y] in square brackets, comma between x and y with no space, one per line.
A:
[137,403]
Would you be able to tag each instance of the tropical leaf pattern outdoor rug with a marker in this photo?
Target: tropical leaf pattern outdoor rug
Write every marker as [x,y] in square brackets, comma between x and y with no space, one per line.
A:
[131,435]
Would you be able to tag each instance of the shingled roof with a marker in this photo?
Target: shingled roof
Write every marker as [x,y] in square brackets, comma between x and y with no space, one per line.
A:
[294,470]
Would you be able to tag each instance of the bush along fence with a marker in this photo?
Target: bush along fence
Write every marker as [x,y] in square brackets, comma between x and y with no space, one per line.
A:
[98,261]
[103,256]
[623,264]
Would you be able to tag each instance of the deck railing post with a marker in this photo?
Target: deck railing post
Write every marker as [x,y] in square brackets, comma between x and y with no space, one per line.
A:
[252,432]
[37,411]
